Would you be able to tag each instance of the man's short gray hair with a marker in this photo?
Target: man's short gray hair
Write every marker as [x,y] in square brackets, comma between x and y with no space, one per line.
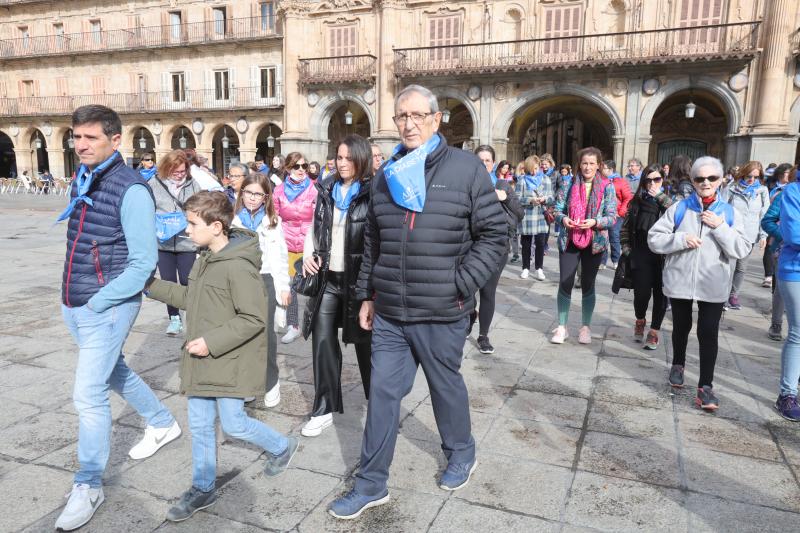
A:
[241,166]
[635,160]
[707,161]
[433,102]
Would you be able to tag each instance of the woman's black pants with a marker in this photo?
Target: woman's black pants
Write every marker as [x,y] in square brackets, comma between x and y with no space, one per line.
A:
[327,353]
[708,318]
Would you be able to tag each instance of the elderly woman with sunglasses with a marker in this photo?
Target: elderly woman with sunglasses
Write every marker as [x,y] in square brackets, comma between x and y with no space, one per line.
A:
[648,204]
[701,237]
[295,200]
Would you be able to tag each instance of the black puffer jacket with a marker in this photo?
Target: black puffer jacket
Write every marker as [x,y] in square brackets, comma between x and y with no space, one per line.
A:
[428,266]
[353,252]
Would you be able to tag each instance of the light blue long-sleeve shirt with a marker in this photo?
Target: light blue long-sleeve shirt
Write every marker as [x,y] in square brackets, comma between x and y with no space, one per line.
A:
[138,217]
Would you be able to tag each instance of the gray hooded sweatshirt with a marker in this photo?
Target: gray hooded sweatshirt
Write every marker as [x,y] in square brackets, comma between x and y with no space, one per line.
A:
[750,209]
[703,273]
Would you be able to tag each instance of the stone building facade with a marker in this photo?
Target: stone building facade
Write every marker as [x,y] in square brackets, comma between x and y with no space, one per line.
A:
[646,79]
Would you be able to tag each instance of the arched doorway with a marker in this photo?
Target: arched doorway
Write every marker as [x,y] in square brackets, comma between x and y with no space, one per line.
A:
[68,145]
[143,142]
[226,149]
[346,119]
[269,134]
[182,138]
[673,132]
[8,158]
[458,129]
[560,126]
[39,151]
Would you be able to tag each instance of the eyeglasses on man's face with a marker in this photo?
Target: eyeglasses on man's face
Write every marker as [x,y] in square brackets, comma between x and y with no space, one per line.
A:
[235,176]
[416,118]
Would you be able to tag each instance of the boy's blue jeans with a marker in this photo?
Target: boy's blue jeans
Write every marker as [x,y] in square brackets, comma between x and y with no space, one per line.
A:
[101,367]
[790,355]
[236,423]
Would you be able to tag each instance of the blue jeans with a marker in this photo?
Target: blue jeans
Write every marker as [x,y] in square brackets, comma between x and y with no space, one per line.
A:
[790,355]
[236,423]
[101,367]
[613,241]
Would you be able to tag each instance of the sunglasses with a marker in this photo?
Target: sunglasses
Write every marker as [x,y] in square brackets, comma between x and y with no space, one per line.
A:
[656,180]
[148,160]
[701,179]
[298,166]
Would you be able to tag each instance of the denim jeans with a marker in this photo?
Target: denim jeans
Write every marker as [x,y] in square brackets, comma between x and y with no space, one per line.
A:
[236,423]
[790,355]
[101,367]
[613,241]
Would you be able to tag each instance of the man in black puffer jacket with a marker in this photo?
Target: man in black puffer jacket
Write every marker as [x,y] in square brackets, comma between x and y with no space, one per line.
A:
[422,266]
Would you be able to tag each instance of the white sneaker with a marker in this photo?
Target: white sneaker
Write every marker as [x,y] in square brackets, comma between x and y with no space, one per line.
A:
[153,440]
[292,333]
[540,274]
[273,396]
[524,274]
[83,502]
[314,427]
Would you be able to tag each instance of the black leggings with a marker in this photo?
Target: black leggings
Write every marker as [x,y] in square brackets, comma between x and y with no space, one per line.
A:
[769,263]
[708,319]
[171,262]
[327,353]
[647,281]
[488,292]
[540,241]
[272,338]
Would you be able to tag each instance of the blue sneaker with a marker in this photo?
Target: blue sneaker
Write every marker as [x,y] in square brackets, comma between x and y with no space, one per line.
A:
[457,475]
[787,407]
[352,504]
[175,326]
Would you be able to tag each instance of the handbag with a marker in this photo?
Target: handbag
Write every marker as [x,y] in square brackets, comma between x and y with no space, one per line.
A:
[307,285]
[170,224]
[623,277]
[549,214]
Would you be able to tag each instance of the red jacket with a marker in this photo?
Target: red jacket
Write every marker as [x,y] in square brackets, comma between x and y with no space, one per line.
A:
[624,194]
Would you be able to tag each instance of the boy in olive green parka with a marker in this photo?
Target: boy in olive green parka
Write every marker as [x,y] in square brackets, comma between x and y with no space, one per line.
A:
[224,359]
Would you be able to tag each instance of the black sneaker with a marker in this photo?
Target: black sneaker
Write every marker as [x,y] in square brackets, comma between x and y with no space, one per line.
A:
[706,399]
[191,501]
[676,376]
[484,345]
[515,258]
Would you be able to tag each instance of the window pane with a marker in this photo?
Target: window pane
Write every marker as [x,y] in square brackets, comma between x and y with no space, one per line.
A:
[267,16]
[219,21]
[175,23]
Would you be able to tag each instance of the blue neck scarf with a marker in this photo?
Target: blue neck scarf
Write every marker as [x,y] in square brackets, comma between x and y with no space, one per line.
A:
[262,167]
[550,171]
[252,221]
[493,175]
[533,182]
[406,175]
[634,177]
[720,207]
[83,182]
[614,176]
[292,190]
[342,199]
[147,173]
[749,190]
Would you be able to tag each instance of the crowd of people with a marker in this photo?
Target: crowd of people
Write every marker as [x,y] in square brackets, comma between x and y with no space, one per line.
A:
[403,255]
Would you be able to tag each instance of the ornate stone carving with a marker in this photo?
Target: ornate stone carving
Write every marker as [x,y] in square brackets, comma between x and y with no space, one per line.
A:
[500,91]
[738,82]
[618,87]
[369,96]
[651,86]
[474,92]
[294,7]
[340,5]
[242,125]
[312,98]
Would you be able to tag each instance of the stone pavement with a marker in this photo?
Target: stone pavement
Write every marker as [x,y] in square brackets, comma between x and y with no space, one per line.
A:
[570,438]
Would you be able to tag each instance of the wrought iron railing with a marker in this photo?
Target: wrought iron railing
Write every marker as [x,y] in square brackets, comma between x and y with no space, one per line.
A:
[165,36]
[337,69]
[718,41]
[150,102]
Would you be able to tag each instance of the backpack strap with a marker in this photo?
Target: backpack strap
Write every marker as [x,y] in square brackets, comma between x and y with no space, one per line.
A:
[680,212]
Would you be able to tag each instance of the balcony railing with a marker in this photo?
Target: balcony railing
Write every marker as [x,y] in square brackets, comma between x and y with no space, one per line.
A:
[338,69]
[171,35]
[713,42]
[150,102]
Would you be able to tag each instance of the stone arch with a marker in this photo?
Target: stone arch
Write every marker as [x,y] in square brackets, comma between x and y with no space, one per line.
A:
[506,117]
[461,96]
[727,99]
[327,105]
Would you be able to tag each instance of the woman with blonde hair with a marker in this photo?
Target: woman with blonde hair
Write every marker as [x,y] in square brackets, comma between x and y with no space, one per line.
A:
[171,187]
[535,193]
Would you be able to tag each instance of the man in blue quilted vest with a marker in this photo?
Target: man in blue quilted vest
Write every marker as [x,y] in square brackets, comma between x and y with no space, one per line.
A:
[111,252]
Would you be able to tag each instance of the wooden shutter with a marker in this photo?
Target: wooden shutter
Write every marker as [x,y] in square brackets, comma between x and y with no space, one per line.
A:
[444,31]
[699,13]
[98,85]
[560,22]
[62,87]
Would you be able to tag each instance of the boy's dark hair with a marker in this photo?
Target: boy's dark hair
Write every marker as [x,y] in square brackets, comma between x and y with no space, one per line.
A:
[486,148]
[610,163]
[259,158]
[211,206]
[107,117]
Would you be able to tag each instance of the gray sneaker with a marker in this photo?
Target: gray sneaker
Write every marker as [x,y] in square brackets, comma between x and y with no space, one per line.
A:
[676,376]
[278,463]
[191,501]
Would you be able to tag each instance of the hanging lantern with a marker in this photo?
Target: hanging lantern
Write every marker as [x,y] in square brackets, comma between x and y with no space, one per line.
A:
[182,141]
[348,118]
[690,109]
[142,140]
[71,141]
[446,113]
[570,130]
[225,141]
[38,143]
[270,139]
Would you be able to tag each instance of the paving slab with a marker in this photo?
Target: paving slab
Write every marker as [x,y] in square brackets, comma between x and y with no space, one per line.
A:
[536,441]
[458,515]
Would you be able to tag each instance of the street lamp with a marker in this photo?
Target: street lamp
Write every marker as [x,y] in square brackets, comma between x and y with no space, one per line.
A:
[182,141]
[690,109]
[446,112]
[348,117]
[570,130]
[142,140]
[38,142]
[225,141]
[71,141]
[270,138]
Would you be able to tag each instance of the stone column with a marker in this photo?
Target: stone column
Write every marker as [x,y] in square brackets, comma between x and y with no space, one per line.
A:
[26,160]
[55,158]
[619,143]
[385,86]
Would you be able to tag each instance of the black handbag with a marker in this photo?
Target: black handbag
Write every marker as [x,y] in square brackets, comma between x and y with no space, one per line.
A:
[623,277]
[307,285]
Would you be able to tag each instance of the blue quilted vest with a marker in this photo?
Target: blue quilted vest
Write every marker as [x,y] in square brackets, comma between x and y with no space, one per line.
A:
[96,249]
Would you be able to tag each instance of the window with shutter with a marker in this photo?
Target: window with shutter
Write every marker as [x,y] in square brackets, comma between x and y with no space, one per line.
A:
[561,24]
[25,36]
[444,32]
[58,32]
[221,85]
[267,12]
[219,14]
[178,87]
[342,45]
[62,87]
[96,28]
[175,22]
[98,85]
[699,13]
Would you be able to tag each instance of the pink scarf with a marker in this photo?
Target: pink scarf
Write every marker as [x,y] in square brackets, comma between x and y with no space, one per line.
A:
[578,203]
